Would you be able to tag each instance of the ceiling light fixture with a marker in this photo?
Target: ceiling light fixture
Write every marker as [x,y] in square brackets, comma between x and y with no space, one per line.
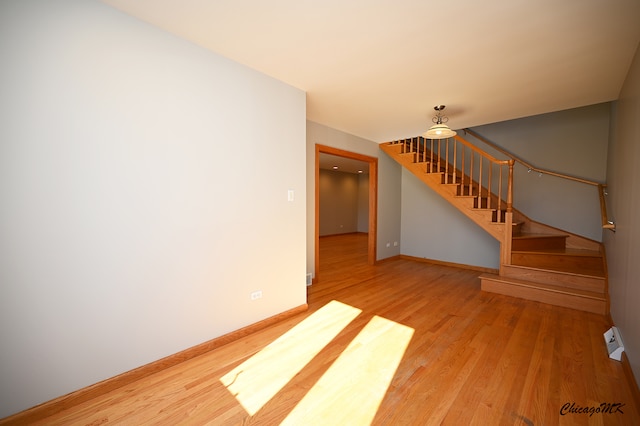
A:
[439,130]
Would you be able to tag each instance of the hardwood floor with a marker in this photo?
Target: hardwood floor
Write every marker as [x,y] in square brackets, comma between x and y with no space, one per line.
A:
[399,343]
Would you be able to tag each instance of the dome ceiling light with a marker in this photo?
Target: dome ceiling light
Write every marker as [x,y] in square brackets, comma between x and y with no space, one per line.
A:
[439,130]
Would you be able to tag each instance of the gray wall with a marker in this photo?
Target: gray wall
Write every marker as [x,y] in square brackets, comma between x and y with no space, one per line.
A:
[138,203]
[623,246]
[363,202]
[573,142]
[389,173]
[338,202]
[434,229]
[389,207]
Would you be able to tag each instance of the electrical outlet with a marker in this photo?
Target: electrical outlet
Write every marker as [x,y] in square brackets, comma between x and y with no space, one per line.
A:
[256,295]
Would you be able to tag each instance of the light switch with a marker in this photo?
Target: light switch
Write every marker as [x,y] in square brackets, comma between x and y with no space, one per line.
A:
[290,195]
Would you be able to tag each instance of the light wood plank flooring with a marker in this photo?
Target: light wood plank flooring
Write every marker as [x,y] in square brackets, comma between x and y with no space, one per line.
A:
[399,343]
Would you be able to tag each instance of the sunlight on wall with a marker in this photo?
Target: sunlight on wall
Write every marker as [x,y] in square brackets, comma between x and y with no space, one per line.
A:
[352,389]
[262,376]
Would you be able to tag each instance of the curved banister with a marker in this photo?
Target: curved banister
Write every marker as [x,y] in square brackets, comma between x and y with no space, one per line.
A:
[606,223]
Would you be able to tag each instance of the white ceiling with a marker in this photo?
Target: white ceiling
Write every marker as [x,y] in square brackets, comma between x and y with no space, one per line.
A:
[376,68]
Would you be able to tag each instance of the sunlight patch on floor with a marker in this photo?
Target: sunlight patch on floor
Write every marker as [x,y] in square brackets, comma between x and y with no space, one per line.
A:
[352,389]
[262,376]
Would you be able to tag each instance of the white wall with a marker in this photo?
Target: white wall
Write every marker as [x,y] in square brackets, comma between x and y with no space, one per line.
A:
[388,187]
[623,246]
[136,186]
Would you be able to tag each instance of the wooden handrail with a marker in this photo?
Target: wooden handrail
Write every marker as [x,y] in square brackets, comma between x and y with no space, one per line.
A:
[527,165]
[606,223]
[479,151]
[494,160]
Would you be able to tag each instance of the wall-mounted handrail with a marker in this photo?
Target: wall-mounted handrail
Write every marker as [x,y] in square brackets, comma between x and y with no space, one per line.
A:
[527,165]
[606,223]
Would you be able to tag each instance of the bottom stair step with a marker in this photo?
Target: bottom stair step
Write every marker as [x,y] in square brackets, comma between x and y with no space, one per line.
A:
[557,278]
[554,295]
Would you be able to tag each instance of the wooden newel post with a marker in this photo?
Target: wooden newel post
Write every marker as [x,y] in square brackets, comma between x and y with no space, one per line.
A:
[510,187]
[505,246]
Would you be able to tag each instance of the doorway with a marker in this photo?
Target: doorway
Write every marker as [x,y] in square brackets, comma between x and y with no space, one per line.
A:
[373,200]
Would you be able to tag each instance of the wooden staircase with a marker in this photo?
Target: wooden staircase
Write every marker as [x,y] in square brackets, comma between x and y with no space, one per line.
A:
[537,262]
[545,269]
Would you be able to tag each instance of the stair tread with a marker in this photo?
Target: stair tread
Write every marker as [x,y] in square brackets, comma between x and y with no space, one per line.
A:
[557,272]
[524,236]
[564,268]
[545,287]
[563,251]
[489,209]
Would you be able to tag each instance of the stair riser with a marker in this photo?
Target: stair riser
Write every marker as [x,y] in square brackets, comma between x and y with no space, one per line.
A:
[546,243]
[587,265]
[571,281]
[394,149]
[540,295]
